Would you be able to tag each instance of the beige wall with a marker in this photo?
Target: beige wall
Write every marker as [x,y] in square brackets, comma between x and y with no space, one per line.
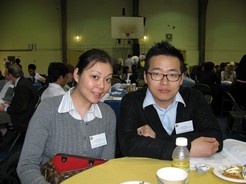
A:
[26,22]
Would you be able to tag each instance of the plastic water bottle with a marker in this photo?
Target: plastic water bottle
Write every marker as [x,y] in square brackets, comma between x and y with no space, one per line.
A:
[181,155]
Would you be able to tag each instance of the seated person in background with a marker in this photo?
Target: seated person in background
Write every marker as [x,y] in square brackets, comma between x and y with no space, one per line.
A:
[152,118]
[34,76]
[188,82]
[116,74]
[6,88]
[69,77]
[67,124]
[57,79]
[134,76]
[125,72]
[229,74]
[22,106]
[239,86]
[208,74]
[18,61]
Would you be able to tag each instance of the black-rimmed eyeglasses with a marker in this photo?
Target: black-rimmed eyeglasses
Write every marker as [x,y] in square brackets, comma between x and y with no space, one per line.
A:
[172,77]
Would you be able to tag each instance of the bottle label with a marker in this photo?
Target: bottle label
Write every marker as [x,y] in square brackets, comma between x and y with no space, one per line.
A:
[182,164]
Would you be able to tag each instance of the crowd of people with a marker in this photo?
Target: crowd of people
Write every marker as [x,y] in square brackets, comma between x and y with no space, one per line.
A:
[227,76]
[69,117]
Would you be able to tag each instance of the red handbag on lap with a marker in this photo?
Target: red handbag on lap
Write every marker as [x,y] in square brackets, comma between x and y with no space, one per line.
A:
[63,166]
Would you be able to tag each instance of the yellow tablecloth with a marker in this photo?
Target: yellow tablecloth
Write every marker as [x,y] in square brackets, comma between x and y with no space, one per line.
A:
[119,170]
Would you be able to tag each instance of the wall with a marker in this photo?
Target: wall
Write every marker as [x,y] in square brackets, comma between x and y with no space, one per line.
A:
[226,30]
[27,22]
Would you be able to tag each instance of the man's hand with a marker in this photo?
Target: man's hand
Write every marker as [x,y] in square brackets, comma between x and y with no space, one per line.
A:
[146,131]
[2,106]
[204,147]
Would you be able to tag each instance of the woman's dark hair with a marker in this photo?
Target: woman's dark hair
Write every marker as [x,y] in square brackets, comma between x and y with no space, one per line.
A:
[91,57]
[164,48]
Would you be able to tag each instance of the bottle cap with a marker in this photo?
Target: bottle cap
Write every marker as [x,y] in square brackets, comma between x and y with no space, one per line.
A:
[181,141]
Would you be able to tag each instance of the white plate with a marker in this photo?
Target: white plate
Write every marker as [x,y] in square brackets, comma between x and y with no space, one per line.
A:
[218,172]
[135,182]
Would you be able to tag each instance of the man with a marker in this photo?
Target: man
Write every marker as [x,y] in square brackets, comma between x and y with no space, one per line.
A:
[151,119]
[57,78]
[6,88]
[22,106]
[69,77]
[34,76]
[128,62]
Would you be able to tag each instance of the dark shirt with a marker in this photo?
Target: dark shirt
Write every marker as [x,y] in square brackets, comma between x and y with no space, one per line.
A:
[132,116]
[23,104]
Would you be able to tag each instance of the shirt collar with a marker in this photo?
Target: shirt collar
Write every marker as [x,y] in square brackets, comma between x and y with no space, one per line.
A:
[54,85]
[67,105]
[149,100]
[17,80]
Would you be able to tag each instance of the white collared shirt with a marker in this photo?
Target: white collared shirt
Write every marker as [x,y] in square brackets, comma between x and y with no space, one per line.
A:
[5,88]
[52,90]
[168,115]
[67,105]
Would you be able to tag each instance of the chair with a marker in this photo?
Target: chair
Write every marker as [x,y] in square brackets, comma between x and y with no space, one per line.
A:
[236,114]
[206,90]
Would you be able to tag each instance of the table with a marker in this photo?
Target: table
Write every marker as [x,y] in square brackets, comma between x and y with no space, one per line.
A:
[123,169]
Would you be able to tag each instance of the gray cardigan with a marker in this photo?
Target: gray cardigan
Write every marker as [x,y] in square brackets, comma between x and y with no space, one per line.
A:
[50,132]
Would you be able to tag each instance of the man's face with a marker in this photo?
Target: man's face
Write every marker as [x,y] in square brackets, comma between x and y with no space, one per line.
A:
[6,74]
[31,72]
[163,91]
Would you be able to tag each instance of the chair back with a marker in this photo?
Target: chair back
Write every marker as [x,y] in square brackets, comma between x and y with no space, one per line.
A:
[236,116]
[206,90]
[235,106]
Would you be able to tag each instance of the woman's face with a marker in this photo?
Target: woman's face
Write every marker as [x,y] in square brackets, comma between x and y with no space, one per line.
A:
[94,81]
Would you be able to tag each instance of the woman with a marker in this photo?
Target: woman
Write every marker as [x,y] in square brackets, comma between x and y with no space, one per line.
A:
[69,123]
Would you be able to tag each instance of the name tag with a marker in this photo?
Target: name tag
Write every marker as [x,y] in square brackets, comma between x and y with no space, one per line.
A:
[98,140]
[11,86]
[183,127]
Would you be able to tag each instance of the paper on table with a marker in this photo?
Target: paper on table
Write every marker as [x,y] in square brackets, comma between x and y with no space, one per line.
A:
[233,153]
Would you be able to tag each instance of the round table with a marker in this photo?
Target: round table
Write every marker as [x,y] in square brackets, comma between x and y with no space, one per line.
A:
[118,170]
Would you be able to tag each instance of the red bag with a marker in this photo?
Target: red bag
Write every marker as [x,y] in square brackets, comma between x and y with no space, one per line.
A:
[65,162]
[63,166]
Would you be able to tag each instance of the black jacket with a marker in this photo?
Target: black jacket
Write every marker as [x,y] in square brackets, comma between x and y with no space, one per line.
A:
[23,104]
[132,116]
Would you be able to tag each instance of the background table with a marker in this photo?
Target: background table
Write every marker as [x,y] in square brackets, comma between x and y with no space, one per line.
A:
[119,170]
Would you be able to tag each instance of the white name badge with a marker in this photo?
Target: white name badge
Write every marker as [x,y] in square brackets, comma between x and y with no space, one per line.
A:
[11,86]
[183,127]
[98,140]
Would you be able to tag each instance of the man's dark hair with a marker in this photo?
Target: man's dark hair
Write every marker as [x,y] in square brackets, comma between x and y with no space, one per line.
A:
[55,70]
[32,66]
[164,48]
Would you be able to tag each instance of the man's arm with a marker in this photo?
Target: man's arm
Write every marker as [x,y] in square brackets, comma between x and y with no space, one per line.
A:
[133,116]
